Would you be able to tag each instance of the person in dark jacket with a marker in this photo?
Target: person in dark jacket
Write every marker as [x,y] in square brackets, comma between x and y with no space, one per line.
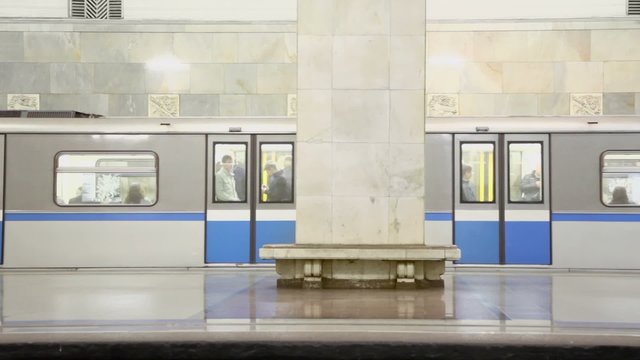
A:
[530,186]
[468,193]
[278,189]
[619,196]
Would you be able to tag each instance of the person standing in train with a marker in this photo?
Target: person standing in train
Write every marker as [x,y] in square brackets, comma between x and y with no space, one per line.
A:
[225,182]
[530,186]
[468,194]
[278,189]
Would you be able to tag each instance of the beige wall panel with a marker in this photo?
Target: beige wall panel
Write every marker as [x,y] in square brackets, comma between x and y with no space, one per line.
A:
[361,62]
[277,78]
[362,169]
[233,105]
[516,104]
[407,62]
[316,17]
[406,170]
[560,45]
[406,220]
[52,47]
[360,116]
[477,104]
[314,115]
[501,46]
[315,212]
[481,78]
[361,17]
[406,116]
[442,78]
[553,104]
[312,173]
[622,76]
[224,48]
[528,77]
[218,10]
[611,45]
[315,56]
[360,220]
[148,47]
[193,47]
[451,47]
[104,47]
[579,77]
[207,78]
[267,48]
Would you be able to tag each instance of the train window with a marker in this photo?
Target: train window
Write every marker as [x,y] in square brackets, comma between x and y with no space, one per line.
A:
[106,178]
[477,173]
[230,185]
[620,172]
[276,175]
[525,172]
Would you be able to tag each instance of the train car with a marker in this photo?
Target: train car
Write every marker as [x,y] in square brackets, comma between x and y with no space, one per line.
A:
[144,192]
[558,192]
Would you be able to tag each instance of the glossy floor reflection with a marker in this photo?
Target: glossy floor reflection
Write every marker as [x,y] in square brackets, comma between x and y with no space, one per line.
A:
[247,301]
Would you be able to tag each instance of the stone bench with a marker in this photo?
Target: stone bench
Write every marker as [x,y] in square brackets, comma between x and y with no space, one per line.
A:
[359,266]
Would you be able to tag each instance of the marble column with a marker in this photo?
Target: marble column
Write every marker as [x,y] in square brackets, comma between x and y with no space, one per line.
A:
[360,146]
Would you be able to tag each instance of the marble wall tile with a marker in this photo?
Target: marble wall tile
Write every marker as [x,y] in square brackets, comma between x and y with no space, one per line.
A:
[315,17]
[164,105]
[406,170]
[199,105]
[149,47]
[619,103]
[360,116]
[25,78]
[314,219]
[267,105]
[362,169]
[193,47]
[553,104]
[442,78]
[407,17]
[119,78]
[451,48]
[233,105]
[361,62]
[622,76]
[406,220]
[615,45]
[638,103]
[207,78]
[240,78]
[104,47]
[316,162]
[315,55]
[586,104]
[579,77]
[128,105]
[168,81]
[442,105]
[3,101]
[490,46]
[527,77]
[69,78]
[51,46]
[22,102]
[406,118]
[53,102]
[481,78]
[260,48]
[516,104]
[560,45]
[12,45]
[360,220]
[224,48]
[477,104]
[314,115]
[407,66]
[277,78]
[361,17]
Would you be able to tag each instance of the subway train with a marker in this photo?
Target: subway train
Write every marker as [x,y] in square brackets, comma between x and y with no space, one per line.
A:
[559,192]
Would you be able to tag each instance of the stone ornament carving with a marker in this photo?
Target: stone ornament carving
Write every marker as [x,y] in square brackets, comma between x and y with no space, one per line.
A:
[164,105]
[442,105]
[586,104]
[292,105]
[23,102]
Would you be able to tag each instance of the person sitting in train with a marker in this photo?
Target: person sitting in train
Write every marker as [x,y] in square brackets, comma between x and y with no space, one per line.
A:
[619,196]
[278,190]
[468,194]
[135,195]
[530,186]
[225,181]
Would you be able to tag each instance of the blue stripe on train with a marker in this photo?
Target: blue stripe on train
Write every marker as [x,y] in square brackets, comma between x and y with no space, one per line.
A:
[104,216]
[478,241]
[528,242]
[438,216]
[612,217]
[228,241]
[274,232]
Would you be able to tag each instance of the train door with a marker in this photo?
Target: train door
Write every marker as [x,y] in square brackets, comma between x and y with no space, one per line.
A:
[250,195]
[501,212]
[1,199]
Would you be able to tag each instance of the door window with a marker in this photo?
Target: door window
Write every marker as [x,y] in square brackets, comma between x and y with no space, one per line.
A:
[477,173]
[525,172]
[230,172]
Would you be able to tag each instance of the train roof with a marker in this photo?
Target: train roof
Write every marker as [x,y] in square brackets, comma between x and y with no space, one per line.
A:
[132,125]
[532,124]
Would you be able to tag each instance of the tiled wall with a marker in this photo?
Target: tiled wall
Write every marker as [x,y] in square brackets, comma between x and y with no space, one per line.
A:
[590,68]
[112,69]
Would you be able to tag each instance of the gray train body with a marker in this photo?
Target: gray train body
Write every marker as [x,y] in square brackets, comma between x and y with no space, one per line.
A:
[475,197]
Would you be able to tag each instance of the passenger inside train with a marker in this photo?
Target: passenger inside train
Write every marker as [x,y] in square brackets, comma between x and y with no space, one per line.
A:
[278,189]
[135,195]
[619,196]
[468,194]
[225,181]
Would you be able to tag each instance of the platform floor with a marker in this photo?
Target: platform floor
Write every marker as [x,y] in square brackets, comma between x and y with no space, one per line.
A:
[239,313]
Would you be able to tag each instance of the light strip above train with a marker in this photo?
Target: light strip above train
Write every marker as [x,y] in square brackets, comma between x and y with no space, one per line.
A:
[133,125]
[532,124]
